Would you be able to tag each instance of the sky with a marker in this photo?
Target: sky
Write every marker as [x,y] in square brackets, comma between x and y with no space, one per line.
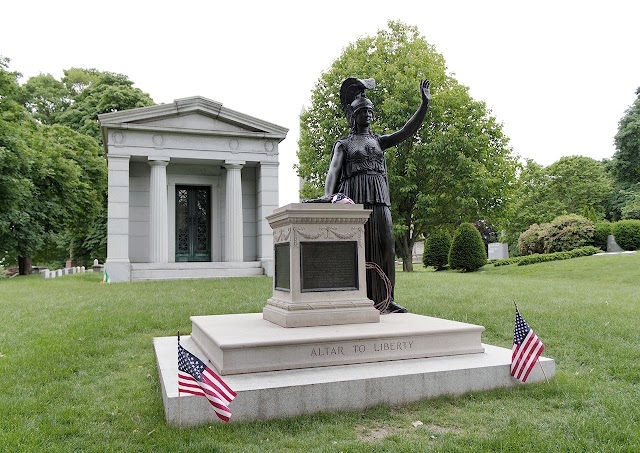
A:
[558,74]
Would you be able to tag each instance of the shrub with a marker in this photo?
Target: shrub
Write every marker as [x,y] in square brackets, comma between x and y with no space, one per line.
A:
[568,232]
[487,231]
[543,258]
[436,250]
[602,230]
[467,249]
[627,234]
[532,240]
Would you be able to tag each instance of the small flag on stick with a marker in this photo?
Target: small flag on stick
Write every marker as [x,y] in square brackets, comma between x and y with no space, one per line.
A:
[105,277]
[527,347]
[195,378]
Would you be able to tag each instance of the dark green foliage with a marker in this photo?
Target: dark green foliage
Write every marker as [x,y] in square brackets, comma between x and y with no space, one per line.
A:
[532,240]
[544,257]
[568,232]
[53,174]
[467,249]
[487,231]
[602,230]
[626,160]
[627,234]
[436,250]
[572,185]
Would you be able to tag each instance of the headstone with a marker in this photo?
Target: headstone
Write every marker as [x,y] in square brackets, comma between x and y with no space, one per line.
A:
[59,273]
[498,251]
[320,274]
[97,267]
[45,273]
[612,246]
[82,269]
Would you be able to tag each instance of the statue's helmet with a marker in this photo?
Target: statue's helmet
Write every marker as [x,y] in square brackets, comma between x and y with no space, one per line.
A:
[352,97]
[361,102]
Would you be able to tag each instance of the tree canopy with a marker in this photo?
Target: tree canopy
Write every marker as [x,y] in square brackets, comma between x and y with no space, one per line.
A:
[53,175]
[572,185]
[626,160]
[458,167]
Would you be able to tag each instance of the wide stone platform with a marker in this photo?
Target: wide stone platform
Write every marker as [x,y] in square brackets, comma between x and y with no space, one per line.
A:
[247,343]
[276,394]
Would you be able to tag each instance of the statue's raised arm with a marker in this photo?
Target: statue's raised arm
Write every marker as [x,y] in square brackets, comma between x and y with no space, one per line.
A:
[412,126]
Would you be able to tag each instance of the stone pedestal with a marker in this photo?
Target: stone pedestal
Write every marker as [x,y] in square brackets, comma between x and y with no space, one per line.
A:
[320,275]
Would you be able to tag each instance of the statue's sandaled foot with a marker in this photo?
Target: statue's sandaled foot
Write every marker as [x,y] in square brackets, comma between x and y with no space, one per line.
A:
[396,308]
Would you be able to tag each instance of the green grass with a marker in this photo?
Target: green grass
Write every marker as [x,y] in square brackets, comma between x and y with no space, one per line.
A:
[78,373]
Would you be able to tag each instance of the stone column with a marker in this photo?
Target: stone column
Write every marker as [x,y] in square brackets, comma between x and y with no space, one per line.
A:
[158,225]
[233,231]
[267,202]
[117,263]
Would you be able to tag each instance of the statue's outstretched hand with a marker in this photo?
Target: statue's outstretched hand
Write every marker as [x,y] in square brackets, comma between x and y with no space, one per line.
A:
[424,90]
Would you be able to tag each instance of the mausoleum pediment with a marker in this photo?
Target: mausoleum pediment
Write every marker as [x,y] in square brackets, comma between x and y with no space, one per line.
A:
[192,115]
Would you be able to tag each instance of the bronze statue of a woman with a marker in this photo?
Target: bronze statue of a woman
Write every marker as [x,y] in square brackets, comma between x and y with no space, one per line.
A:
[359,170]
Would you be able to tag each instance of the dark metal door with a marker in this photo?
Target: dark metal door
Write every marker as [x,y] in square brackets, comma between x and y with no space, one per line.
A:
[193,231]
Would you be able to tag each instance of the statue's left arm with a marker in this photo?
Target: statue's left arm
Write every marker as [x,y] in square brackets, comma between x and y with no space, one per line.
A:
[412,126]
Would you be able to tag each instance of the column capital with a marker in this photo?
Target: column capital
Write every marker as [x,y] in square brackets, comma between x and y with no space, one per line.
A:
[234,164]
[164,161]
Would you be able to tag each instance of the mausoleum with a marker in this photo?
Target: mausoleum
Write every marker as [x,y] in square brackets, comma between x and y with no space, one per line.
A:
[190,185]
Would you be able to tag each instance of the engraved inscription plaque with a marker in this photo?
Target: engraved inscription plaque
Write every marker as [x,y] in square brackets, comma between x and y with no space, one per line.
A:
[283,266]
[329,266]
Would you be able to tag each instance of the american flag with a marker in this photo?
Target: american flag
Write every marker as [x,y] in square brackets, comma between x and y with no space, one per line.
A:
[527,347]
[195,378]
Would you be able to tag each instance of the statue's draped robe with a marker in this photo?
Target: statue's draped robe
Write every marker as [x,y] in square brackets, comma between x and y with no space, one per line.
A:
[364,180]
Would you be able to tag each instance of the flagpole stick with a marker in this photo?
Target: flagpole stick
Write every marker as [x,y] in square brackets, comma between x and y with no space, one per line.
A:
[545,374]
[179,411]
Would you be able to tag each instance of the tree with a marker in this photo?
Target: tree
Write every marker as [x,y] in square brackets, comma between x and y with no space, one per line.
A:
[52,178]
[436,250]
[45,98]
[457,167]
[580,183]
[572,185]
[467,249]
[81,95]
[626,159]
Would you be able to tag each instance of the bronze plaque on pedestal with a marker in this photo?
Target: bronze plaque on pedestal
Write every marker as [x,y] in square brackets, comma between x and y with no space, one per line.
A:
[329,266]
[282,280]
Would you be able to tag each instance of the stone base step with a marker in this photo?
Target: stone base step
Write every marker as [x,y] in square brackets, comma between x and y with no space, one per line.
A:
[289,393]
[185,271]
[247,343]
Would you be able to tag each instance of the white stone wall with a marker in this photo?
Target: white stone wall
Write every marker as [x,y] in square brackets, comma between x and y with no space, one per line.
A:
[139,212]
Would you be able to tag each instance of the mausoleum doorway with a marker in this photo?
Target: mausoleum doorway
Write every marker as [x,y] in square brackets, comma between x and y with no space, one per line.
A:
[193,223]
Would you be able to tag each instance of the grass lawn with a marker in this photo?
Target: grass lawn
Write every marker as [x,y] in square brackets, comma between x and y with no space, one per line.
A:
[78,372]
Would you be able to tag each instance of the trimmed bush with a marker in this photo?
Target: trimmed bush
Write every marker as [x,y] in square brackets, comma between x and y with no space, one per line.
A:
[467,249]
[543,258]
[436,250]
[567,232]
[602,230]
[627,234]
[532,240]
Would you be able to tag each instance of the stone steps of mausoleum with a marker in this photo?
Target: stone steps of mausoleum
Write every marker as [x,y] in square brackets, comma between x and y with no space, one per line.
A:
[185,271]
